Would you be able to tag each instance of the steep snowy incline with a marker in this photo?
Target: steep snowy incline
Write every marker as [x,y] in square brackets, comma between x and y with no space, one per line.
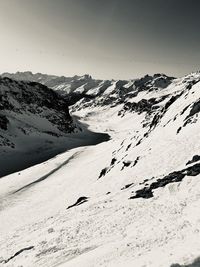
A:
[131,201]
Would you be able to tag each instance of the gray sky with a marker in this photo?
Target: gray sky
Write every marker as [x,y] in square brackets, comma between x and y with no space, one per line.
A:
[105,38]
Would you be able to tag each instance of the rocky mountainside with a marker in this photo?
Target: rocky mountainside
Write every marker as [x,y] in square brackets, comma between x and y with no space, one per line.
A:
[118,92]
[29,76]
[132,201]
[87,88]
[60,83]
[32,117]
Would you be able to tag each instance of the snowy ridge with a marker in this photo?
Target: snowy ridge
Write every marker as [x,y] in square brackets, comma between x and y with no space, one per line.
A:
[60,83]
[29,76]
[87,85]
[133,200]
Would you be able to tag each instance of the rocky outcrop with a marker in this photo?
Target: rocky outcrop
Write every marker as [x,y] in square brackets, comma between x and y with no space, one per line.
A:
[174,177]
[195,158]
[153,82]
[79,201]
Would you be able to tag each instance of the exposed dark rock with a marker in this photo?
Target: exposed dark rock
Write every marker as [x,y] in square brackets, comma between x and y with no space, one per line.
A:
[172,100]
[3,122]
[190,83]
[150,106]
[174,177]
[143,193]
[126,164]
[143,105]
[72,98]
[155,121]
[127,186]
[139,142]
[122,143]
[103,172]
[34,98]
[194,159]
[179,129]
[194,110]
[17,253]
[196,263]
[184,110]
[156,81]
[189,86]
[193,170]
[128,147]
[113,161]
[136,161]
[79,201]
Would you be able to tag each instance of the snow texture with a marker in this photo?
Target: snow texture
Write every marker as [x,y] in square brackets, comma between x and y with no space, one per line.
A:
[130,201]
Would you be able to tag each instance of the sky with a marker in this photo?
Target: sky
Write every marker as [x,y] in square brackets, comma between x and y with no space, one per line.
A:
[119,39]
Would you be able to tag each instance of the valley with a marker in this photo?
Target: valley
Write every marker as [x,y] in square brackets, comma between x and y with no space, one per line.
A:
[131,200]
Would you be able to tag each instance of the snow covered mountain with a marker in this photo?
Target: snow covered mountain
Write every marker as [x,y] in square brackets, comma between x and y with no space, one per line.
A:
[29,76]
[86,88]
[131,201]
[87,85]
[60,83]
[32,118]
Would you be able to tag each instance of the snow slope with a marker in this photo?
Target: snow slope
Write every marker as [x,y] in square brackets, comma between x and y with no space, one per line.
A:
[131,201]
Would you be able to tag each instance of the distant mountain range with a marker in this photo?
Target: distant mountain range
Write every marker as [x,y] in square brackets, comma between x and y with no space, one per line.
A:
[93,87]
[62,83]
